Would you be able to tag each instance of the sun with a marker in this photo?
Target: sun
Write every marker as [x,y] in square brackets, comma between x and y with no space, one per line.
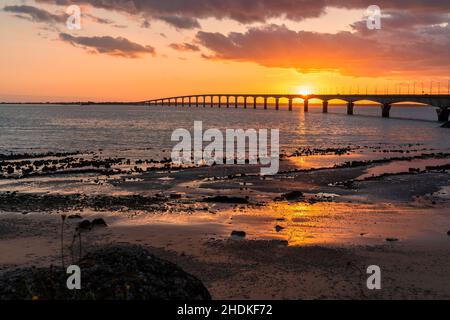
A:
[304,91]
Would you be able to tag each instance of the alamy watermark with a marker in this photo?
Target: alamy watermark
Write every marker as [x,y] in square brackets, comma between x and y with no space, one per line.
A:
[374,280]
[230,148]
[373,14]
[74,20]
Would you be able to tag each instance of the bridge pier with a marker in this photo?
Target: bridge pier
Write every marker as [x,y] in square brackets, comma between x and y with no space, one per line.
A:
[228,101]
[350,108]
[245,102]
[254,102]
[385,110]
[443,114]
[236,101]
[265,103]
[212,101]
[325,106]
[204,101]
[196,102]
[290,104]
[277,103]
[306,105]
[176,102]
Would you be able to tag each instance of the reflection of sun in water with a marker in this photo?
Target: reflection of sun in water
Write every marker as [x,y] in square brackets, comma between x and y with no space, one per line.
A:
[304,90]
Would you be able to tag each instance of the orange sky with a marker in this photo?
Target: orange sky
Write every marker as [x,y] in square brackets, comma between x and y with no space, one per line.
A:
[36,65]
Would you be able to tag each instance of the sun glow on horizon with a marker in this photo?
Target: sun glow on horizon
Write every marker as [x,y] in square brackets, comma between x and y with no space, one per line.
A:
[303,90]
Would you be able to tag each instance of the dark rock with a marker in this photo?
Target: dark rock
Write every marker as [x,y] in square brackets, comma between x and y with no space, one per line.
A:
[279,228]
[226,199]
[84,225]
[448,232]
[111,273]
[293,195]
[238,234]
[391,239]
[99,223]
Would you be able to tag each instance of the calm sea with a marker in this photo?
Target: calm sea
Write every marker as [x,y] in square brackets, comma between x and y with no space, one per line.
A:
[141,131]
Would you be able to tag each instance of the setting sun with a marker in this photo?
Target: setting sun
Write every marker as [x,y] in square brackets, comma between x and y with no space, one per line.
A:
[304,90]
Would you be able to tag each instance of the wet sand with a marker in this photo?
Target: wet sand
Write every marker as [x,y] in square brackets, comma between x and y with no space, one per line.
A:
[317,246]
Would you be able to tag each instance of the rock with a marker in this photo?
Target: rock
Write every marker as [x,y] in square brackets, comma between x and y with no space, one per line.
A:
[238,234]
[448,232]
[279,228]
[84,225]
[446,125]
[226,199]
[175,196]
[293,195]
[99,223]
[391,239]
[110,273]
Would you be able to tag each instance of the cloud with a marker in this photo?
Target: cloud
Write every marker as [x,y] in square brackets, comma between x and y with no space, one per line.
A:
[181,22]
[395,21]
[184,47]
[246,11]
[121,47]
[43,16]
[345,52]
[36,14]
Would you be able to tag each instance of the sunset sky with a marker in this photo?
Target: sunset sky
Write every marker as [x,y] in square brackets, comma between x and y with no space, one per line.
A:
[132,50]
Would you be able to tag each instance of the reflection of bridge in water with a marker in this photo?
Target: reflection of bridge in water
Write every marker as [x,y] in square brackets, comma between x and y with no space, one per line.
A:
[441,102]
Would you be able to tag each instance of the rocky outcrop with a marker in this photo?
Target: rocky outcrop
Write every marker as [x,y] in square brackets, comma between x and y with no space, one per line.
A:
[111,273]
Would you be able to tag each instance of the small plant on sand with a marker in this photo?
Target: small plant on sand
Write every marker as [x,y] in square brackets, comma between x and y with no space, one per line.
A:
[63,220]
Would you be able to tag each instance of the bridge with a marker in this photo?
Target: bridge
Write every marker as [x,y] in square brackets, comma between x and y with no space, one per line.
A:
[386,101]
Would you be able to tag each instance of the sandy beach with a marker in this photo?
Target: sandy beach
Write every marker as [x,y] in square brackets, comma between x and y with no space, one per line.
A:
[309,233]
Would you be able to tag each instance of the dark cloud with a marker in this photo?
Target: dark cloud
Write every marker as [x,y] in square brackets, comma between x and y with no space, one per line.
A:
[43,16]
[184,47]
[36,14]
[247,11]
[344,52]
[181,22]
[393,21]
[121,47]
[145,24]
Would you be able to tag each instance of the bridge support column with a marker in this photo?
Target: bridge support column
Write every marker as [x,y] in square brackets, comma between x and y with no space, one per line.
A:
[176,102]
[265,103]
[182,102]
[220,102]
[290,104]
[277,103]
[169,103]
[196,102]
[254,102]
[443,114]
[204,101]
[212,101]
[245,102]
[236,102]
[350,107]
[385,110]
[306,106]
[228,101]
[325,106]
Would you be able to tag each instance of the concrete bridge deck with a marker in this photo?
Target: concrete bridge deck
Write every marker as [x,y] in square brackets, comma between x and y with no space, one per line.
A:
[386,101]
